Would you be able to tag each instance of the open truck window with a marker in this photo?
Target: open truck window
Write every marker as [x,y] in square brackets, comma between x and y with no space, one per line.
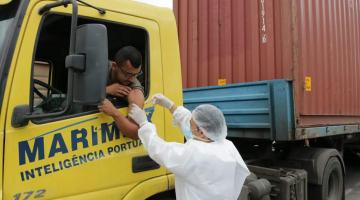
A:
[53,46]
[41,78]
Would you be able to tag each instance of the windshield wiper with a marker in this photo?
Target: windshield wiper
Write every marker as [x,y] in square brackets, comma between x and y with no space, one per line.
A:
[101,10]
[47,7]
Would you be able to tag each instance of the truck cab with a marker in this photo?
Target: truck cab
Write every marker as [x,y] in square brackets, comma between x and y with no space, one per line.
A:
[54,142]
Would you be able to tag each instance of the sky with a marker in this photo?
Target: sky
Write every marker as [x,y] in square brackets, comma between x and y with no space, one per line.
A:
[162,3]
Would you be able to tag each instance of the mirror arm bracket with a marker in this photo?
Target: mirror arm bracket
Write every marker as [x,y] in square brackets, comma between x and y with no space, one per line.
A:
[76,62]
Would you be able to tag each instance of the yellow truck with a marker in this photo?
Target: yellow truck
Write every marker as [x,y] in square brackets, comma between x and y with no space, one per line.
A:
[54,143]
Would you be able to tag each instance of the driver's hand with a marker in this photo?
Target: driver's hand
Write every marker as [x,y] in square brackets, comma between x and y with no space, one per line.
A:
[118,90]
[108,108]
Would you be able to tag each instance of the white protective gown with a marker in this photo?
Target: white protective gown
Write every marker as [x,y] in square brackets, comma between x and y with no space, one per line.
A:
[203,171]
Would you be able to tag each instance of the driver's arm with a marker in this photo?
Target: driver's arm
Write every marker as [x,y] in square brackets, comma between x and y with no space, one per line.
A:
[126,125]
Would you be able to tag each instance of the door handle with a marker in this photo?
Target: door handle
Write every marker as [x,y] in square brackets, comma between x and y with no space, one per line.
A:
[143,163]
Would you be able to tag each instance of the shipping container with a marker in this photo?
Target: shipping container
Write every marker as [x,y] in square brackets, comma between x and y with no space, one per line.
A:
[315,44]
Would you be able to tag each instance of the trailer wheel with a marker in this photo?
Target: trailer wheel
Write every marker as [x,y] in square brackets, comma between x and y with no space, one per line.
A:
[332,187]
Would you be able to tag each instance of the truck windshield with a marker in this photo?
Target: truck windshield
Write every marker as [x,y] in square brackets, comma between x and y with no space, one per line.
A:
[8,34]
[7,16]
[4,31]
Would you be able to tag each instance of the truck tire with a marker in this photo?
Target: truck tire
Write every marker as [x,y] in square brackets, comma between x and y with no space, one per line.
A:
[332,187]
[259,188]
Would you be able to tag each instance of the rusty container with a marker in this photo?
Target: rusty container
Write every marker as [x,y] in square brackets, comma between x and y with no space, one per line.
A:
[313,43]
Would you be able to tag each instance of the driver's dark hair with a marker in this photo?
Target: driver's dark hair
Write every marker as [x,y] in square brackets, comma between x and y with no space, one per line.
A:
[128,53]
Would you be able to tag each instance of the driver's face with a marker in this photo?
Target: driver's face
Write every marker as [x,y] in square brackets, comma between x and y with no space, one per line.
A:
[126,73]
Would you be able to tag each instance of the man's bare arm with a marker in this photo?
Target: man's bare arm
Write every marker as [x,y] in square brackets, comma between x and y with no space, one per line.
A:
[126,125]
[136,96]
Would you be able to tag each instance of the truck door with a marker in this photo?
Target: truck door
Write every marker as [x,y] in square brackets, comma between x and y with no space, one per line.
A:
[81,152]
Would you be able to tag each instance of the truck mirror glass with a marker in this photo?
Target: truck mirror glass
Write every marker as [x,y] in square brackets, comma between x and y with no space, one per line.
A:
[90,72]
[19,117]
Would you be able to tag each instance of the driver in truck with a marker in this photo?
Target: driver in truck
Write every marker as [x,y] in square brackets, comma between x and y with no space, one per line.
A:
[124,85]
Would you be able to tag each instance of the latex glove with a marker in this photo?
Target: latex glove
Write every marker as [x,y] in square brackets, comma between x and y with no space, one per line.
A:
[138,115]
[161,100]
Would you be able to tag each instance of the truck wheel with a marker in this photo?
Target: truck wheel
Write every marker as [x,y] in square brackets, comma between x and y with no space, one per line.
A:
[332,187]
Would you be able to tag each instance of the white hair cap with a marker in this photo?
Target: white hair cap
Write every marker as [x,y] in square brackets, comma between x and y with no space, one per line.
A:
[211,121]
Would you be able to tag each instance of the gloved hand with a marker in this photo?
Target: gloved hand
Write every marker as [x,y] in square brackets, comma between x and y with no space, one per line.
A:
[138,115]
[161,100]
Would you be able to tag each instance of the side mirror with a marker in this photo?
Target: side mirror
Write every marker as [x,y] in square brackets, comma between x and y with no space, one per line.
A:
[19,118]
[90,64]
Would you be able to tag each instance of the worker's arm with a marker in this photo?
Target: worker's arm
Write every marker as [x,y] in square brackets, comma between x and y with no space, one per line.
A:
[173,156]
[179,112]
[173,108]
[181,115]
[125,125]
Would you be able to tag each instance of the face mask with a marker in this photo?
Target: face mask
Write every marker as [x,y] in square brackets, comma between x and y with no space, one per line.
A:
[187,132]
